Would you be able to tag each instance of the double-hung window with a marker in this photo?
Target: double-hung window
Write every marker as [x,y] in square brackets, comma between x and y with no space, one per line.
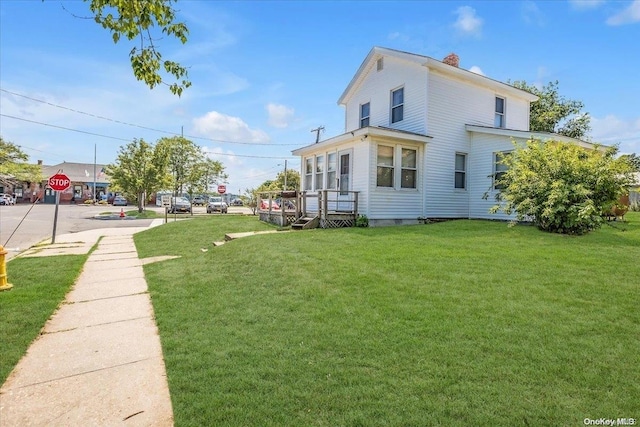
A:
[308,174]
[385,170]
[331,171]
[500,168]
[409,168]
[501,105]
[397,105]
[319,172]
[460,171]
[364,115]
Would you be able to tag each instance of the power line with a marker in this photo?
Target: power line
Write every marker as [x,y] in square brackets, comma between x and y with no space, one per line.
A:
[129,140]
[136,125]
[65,128]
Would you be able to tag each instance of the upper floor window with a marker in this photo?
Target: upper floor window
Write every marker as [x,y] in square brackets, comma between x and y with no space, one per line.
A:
[397,105]
[308,173]
[500,168]
[499,120]
[380,64]
[364,115]
[319,171]
[409,168]
[385,166]
[461,171]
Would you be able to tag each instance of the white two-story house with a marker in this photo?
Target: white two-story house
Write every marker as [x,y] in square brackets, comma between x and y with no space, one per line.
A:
[421,139]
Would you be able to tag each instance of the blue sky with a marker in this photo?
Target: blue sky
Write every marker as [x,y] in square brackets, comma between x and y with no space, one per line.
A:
[265,73]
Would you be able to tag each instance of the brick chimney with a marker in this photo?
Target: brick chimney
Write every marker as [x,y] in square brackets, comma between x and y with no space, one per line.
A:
[452,59]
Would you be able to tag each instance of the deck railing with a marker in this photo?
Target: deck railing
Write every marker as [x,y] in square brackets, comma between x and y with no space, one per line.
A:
[330,206]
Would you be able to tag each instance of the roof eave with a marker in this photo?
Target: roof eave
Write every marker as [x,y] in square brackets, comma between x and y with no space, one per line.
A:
[362,134]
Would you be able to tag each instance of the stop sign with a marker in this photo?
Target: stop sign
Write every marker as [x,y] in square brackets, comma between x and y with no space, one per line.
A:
[59,182]
[222,189]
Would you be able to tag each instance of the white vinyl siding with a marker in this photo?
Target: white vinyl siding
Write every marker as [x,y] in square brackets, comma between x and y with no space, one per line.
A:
[480,174]
[376,87]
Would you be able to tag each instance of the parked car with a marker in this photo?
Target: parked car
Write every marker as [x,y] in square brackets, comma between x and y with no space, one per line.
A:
[199,201]
[264,205]
[120,201]
[237,202]
[7,199]
[180,204]
[216,204]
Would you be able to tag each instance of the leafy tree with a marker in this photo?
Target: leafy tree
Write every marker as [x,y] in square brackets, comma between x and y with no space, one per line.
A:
[552,112]
[188,166]
[203,174]
[139,169]
[14,167]
[633,159]
[293,180]
[560,187]
[251,199]
[136,19]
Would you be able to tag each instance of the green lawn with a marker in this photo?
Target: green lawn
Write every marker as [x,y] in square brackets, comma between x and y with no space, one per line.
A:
[462,322]
[35,295]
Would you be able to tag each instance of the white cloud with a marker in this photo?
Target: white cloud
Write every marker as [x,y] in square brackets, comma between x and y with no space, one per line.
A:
[629,15]
[611,130]
[216,125]
[468,23]
[585,4]
[531,14]
[279,115]
[477,70]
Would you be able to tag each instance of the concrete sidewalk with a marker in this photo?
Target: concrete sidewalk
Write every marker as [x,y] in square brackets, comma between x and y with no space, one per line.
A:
[98,361]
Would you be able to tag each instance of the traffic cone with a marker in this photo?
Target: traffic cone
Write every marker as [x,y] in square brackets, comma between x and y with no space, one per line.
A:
[121,212]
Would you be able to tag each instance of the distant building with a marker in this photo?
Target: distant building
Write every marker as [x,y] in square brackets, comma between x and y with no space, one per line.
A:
[82,185]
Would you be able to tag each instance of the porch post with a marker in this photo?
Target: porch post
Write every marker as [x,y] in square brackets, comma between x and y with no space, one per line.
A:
[325,203]
[355,204]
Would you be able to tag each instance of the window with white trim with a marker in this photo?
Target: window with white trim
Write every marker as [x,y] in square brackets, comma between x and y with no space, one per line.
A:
[364,114]
[409,171]
[385,169]
[397,105]
[501,105]
[319,172]
[460,171]
[380,64]
[331,171]
[308,173]
[500,168]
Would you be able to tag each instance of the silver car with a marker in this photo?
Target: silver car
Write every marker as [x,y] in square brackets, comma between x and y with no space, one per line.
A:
[216,204]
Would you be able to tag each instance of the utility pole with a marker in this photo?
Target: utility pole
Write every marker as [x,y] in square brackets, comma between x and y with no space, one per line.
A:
[317,131]
[285,175]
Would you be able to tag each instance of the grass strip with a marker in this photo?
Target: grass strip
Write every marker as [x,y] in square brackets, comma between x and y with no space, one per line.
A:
[462,322]
[35,296]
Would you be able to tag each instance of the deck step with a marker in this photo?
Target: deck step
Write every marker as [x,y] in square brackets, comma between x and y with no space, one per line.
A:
[305,223]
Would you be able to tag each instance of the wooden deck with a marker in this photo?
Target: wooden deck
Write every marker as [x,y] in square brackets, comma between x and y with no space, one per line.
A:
[304,210]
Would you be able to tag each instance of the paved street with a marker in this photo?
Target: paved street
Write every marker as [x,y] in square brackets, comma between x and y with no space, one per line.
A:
[24,225]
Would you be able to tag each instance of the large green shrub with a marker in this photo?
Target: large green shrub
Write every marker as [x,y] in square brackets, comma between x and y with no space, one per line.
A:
[561,187]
